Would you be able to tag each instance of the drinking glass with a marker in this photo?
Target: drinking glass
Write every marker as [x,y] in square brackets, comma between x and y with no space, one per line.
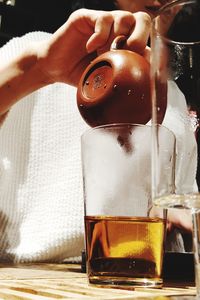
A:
[124,233]
[175,43]
[175,67]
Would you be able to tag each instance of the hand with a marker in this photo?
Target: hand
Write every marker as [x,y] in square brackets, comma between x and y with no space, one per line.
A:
[176,218]
[181,219]
[65,55]
[87,32]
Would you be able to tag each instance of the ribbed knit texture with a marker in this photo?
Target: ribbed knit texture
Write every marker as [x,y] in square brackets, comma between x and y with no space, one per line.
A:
[41,202]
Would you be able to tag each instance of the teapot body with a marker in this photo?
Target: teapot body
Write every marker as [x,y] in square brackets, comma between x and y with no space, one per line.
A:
[115,88]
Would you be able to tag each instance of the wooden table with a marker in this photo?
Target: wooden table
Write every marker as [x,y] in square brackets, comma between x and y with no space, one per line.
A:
[65,281]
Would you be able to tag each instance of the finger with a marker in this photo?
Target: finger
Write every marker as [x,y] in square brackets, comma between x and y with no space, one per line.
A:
[124,23]
[102,29]
[140,34]
[182,220]
[147,53]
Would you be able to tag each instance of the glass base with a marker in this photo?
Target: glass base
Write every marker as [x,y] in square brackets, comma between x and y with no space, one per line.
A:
[126,282]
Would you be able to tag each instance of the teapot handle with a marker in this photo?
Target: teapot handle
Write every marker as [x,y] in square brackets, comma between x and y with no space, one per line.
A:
[118,42]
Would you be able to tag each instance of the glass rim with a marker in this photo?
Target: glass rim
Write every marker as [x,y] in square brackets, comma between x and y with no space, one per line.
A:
[189,200]
[115,125]
[164,8]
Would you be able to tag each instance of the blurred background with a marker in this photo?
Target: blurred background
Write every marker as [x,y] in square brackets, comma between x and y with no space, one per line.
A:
[18,17]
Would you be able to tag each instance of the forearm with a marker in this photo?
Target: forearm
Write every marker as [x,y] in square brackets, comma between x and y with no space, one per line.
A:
[19,78]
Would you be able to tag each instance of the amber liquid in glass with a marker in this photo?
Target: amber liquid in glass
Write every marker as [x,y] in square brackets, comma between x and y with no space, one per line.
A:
[124,250]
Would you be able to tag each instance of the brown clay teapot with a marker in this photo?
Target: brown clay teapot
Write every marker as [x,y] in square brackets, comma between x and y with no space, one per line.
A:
[115,88]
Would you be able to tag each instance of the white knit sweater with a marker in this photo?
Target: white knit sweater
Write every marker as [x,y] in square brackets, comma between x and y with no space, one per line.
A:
[41,202]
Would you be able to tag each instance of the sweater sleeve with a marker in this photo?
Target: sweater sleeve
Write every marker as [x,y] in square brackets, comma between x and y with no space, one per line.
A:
[41,203]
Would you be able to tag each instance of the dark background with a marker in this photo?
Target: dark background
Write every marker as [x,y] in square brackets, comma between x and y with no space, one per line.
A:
[18,17]
[21,16]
